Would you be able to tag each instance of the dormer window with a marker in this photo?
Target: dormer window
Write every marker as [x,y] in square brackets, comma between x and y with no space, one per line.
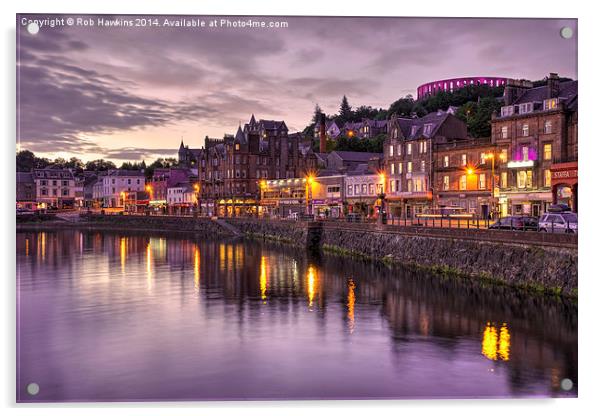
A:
[414,130]
[395,134]
[525,108]
[427,129]
[550,104]
[507,110]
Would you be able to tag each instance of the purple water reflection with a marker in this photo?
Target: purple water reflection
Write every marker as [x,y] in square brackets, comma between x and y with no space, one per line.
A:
[132,317]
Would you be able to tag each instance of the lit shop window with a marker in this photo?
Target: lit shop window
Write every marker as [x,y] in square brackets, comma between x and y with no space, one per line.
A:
[547,178]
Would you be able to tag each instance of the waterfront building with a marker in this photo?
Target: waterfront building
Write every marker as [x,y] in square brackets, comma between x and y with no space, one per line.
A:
[463,175]
[363,188]
[55,187]
[26,191]
[537,129]
[182,198]
[117,182]
[409,159]
[164,178]
[231,169]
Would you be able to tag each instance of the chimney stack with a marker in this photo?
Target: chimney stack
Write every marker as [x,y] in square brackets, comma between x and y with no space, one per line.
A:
[553,85]
[322,133]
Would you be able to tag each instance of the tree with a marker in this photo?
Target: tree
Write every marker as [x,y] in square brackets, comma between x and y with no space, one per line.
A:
[317,113]
[25,161]
[345,112]
[100,165]
[477,116]
[402,107]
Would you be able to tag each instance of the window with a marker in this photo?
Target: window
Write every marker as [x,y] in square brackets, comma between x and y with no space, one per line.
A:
[409,184]
[364,189]
[547,127]
[507,111]
[395,134]
[550,104]
[483,158]
[463,182]
[505,132]
[529,179]
[391,150]
[392,186]
[422,166]
[547,151]
[464,159]
[409,167]
[504,180]
[504,155]
[525,108]
[427,129]
[525,130]
[547,181]
[521,179]
[399,147]
[482,181]
[445,161]
[392,168]
[414,130]
[371,189]
[400,168]
[525,152]
[446,183]
[418,185]
[409,149]
[65,183]
[53,183]
[350,189]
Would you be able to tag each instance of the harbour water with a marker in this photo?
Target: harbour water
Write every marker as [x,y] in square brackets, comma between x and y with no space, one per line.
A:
[128,316]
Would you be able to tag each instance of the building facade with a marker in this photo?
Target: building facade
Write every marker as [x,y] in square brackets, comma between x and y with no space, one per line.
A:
[117,182]
[464,176]
[409,160]
[451,84]
[26,191]
[55,187]
[536,131]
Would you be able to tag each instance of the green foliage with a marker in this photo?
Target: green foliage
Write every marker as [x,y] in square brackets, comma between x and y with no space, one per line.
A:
[477,116]
[356,144]
[99,165]
[345,112]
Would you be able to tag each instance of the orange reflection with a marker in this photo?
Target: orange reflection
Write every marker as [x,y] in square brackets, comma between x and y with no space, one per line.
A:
[311,284]
[197,267]
[263,278]
[42,243]
[496,346]
[27,246]
[351,305]
[149,266]
[122,252]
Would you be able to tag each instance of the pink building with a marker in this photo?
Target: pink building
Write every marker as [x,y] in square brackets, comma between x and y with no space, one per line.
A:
[456,83]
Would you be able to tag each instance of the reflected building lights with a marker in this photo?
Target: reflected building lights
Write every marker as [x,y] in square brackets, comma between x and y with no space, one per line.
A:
[496,345]
[197,267]
[27,247]
[149,267]
[311,285]
[351,305]
[122,252]
[263,278]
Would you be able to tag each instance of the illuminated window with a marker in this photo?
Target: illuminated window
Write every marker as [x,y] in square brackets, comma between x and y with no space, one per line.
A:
[463,182]
[392,168]
[481,181]
[422,165]
[525,130]
[445,161]
[464,159]
[399,150]
[409,184]
[504,180]
[547,127]
[550,104]
[521,179]
[547,181]
[482,158]
[504,155]
[391,150]
[409,149]
[400,168]
[427,129]
[237,146]
[418,185]
[525,152]
[547,151]
[392,186]
[529,179]
[446,183]
[409,167]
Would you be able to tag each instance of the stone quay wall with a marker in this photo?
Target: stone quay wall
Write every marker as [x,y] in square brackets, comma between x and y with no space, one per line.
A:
[539,261]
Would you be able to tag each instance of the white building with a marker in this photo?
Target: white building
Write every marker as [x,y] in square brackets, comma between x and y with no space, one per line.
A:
[117,182]
[181,197]
[54,187]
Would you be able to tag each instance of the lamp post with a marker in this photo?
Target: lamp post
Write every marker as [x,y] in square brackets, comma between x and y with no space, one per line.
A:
[491,155]
[309,180]
[197,190]
[382,195]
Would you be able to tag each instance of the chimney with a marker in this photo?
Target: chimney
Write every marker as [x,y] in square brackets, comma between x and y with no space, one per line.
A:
[553,85]
[322,133]
[514,89]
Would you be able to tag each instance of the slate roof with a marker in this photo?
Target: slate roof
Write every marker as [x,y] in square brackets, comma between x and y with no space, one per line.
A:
[435,118]
[355,156]
[568,92]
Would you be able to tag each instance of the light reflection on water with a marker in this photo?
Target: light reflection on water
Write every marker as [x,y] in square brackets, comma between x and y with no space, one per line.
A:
[107,316]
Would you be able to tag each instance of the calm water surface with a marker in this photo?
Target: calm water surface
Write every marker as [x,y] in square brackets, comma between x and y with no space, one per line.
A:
[120,316]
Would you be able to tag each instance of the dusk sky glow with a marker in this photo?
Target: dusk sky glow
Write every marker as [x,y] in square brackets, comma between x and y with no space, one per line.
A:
[132,93]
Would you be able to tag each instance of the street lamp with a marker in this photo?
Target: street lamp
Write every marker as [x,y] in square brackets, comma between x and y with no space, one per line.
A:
[382,195]
[309,180]
[197,190]
[491,155]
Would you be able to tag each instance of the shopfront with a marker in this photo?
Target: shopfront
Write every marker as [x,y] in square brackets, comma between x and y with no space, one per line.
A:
[565,184]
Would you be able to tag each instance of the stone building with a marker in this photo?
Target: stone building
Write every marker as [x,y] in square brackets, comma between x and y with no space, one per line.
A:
[54,187]
[26,191]
[463,176]
[232,169]
[536,131]
[409,159]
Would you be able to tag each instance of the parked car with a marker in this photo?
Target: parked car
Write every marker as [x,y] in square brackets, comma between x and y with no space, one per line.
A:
[516,223]
[558,222]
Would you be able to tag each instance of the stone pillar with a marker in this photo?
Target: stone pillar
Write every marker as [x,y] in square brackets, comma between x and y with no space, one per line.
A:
[314,236]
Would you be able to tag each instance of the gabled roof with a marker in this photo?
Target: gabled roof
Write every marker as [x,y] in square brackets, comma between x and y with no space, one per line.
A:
[240,136]
[413,128]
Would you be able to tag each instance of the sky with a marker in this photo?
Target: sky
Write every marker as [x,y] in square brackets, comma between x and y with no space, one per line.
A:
[132,93]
